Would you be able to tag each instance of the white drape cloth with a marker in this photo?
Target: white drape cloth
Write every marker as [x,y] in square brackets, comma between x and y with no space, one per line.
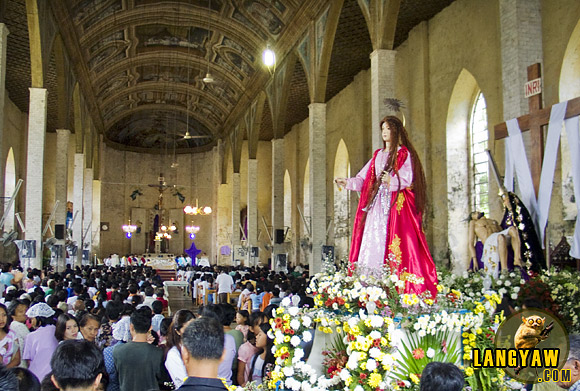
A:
[572,131]
[549,165]
[517,157]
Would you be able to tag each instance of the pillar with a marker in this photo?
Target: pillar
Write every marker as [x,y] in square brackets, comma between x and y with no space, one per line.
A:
[97,216]
[88,228]
[278,152]
[317,151]
[236,210]
[382,87]
[3,45]
[252,203]
[35,171]
[62,140]
[78,184]
[60,191]
[521,46]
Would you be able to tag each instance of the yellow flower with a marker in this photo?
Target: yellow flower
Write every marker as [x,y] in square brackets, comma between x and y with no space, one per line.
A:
[280,310]
[286,338]
[465,334]
[346,305]
[363,366]
[375,379]
[414,378]
[473,345]
[348,381]
[440,288]
[469,371]
[479,330]
[286,317]
[338,330]
[466,356]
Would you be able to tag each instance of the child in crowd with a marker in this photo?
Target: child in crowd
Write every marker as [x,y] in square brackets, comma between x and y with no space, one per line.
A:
[242,317]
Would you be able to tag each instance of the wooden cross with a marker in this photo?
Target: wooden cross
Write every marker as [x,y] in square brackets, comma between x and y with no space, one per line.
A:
[534,122]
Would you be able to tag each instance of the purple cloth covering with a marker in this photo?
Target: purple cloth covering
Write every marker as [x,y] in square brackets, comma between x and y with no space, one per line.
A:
[192,251]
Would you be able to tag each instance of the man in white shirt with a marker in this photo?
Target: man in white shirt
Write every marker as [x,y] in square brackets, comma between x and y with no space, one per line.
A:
[225,285]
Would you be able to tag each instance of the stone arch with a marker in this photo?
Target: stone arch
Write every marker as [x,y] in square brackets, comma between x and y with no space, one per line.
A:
[458,178]
[569,88]
[9,186]
[341,203]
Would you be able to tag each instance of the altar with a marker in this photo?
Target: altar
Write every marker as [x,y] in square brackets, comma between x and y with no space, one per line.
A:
[160,261]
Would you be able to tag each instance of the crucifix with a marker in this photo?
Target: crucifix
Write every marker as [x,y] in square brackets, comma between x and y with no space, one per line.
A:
[537,118]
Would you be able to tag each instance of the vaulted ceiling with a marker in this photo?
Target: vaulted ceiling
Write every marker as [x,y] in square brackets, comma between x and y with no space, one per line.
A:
[141,63]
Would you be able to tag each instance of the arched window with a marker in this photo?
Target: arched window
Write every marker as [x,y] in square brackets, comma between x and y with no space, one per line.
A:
[479,161]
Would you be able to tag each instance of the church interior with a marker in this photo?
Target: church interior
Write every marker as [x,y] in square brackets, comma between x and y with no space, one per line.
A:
[123,112]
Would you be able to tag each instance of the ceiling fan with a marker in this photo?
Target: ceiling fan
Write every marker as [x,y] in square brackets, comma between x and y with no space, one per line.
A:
[208,79]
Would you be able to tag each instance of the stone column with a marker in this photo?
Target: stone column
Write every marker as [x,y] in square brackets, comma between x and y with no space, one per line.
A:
[62,140]
[236,210]
[217,178]
[278,153]
[382,86]
[88,210]
[252,204]
[317,151]
[78,184]
[521,46]
[35,170]
[3,44]
[97,216]
[60,191]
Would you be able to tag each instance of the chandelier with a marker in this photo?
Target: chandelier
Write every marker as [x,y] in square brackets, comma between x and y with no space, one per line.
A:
[165,231]
[129,229]
[197,210]
[192,230]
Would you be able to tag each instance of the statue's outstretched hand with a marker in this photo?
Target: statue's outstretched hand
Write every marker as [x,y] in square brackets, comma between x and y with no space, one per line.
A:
[341,182]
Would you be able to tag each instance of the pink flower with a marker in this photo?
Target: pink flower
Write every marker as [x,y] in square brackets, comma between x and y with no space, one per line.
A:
[418,354]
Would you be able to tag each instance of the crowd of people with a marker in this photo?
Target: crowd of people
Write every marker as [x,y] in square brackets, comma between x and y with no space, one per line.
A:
[123,313]
[107,328]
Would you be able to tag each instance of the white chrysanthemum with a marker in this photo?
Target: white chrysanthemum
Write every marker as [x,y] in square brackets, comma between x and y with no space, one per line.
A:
[377,321]
[307,336]
[306,321]
[387,359]
[288,371]
[299,353]
[358,388]
[514,296]
[397,337]
[353,360]
[430,353]
[293,311]
[508,283]
[352,322]
[375,352]
[295,324]
[371,365]
[285,302]
[422,333]
[295,341]
[344,374]
[375,334]
[516,289]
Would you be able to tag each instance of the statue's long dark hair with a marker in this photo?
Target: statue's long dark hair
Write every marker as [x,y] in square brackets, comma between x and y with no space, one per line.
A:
[399,136]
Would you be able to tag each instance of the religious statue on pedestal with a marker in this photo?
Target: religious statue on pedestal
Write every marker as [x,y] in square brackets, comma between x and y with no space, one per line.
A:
[388,226]
[495,242]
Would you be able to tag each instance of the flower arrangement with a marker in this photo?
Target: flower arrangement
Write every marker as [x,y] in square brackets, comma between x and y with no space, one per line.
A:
[562,287]
[383,338]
